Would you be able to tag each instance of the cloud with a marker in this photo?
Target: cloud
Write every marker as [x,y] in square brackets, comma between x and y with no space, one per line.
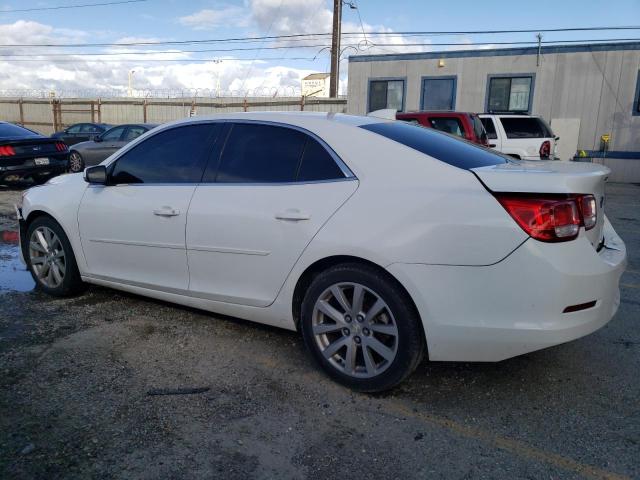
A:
[207,19]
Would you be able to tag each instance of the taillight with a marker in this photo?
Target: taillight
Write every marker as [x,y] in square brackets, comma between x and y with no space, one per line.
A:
[550,218]
[7,151]
[588,210]
[545,149]
[61,147]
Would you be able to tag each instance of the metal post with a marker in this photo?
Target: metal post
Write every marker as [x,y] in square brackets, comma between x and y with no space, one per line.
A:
[539,49]
[302,98]
[21,111]
[93,111]
[99,111]
[335,49]
[144,110]
[245,105]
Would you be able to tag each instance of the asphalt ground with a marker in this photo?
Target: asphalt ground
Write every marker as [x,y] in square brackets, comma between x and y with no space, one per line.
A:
[75,378]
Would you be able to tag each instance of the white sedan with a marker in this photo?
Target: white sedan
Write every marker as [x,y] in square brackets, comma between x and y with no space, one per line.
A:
[380,241]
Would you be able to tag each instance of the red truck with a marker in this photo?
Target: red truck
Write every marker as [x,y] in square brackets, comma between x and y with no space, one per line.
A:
[463,124]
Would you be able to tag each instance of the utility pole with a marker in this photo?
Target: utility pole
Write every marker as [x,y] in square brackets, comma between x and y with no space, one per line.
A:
[335,49]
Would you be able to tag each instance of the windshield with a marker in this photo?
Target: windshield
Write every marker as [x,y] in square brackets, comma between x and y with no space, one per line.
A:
[443,147]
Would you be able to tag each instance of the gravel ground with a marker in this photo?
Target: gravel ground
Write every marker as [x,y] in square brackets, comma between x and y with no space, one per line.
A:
[75,376]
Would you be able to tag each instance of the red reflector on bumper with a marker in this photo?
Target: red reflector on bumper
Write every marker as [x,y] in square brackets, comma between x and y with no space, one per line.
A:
[581,306]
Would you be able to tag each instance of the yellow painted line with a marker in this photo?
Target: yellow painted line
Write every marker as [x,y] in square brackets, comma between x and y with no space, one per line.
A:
[510,445]
[630,285]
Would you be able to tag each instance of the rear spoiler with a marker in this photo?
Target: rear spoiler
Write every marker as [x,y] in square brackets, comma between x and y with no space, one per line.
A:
[385,114]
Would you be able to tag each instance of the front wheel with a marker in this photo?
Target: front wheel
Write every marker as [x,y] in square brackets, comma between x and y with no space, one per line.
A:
[76,163]
[50,258]
[361,327]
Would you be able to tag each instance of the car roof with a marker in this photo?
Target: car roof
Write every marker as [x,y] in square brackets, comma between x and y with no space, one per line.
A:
[300,119]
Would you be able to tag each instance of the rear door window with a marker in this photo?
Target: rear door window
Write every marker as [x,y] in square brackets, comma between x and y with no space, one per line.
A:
[490,128]
[459,153]
[134,132]
[317,164]
[525,127]
[449,125]
[257,153]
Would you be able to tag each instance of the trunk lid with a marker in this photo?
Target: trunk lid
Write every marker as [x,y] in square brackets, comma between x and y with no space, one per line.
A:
[550,177]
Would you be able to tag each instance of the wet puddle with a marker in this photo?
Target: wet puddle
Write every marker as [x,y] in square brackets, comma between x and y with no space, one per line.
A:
[14,276]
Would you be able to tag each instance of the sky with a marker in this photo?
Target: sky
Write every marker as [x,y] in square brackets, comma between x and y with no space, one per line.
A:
[261,67]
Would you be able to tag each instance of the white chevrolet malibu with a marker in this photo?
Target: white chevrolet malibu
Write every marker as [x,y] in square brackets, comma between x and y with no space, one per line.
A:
[381,242]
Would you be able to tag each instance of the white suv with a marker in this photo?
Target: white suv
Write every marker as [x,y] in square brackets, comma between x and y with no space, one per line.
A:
[520,136]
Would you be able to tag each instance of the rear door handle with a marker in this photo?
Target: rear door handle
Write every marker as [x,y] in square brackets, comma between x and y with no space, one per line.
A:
[293,215]
[166,212]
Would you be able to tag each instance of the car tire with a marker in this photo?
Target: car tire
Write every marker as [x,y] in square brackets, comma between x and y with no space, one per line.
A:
[368,345]
[50,258]
[76,162]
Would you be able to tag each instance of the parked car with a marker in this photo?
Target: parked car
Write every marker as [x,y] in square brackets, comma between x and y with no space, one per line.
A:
[80,132]
[521,136]
[28,154]
[461,124]
[95,151]
[300,220]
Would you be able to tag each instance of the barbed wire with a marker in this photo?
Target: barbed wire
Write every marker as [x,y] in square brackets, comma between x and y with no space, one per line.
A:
[210,93]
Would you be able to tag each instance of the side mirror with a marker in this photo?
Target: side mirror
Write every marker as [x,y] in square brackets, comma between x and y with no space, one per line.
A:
[96,175]
[98,138]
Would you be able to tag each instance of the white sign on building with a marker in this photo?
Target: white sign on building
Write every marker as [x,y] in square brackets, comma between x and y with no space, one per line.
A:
[316,85]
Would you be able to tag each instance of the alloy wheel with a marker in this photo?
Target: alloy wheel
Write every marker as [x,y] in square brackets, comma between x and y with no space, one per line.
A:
[355,330]
[47,258]
[75,162]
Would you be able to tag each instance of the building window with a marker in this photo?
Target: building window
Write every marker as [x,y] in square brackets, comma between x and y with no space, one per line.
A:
[510,93]
[636,100]
[438,93]
[386,94]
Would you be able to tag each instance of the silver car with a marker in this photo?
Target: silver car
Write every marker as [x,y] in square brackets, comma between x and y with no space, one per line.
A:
[87,154]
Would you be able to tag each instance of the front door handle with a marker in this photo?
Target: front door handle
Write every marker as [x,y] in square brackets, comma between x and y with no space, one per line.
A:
[166,212]
[293,215]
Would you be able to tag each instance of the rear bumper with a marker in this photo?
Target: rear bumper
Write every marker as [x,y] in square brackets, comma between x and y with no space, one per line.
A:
[516,306]
[56,167]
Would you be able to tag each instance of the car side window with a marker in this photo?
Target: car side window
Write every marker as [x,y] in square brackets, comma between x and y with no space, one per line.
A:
[134,132]
[74,129]
[113,135]
[317,164]
[448,125]
[177,155]
[490,128]
[88,128]
[257,153]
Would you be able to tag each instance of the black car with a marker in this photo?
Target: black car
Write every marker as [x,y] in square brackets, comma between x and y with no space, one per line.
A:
[81,132]
[28,154]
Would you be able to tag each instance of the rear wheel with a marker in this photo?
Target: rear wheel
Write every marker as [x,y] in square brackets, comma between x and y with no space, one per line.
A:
[361,327]
[50,258]
[76,163]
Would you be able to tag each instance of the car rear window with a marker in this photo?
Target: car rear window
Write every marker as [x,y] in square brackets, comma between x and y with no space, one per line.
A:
[525,127]
[9,130]
[447,149]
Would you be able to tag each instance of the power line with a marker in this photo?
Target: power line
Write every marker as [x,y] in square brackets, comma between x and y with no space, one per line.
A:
[290,37]
[65,7]
[141,60]
[288,47]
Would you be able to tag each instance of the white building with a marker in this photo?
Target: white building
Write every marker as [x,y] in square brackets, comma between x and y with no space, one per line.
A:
[316,85]
[587,92]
